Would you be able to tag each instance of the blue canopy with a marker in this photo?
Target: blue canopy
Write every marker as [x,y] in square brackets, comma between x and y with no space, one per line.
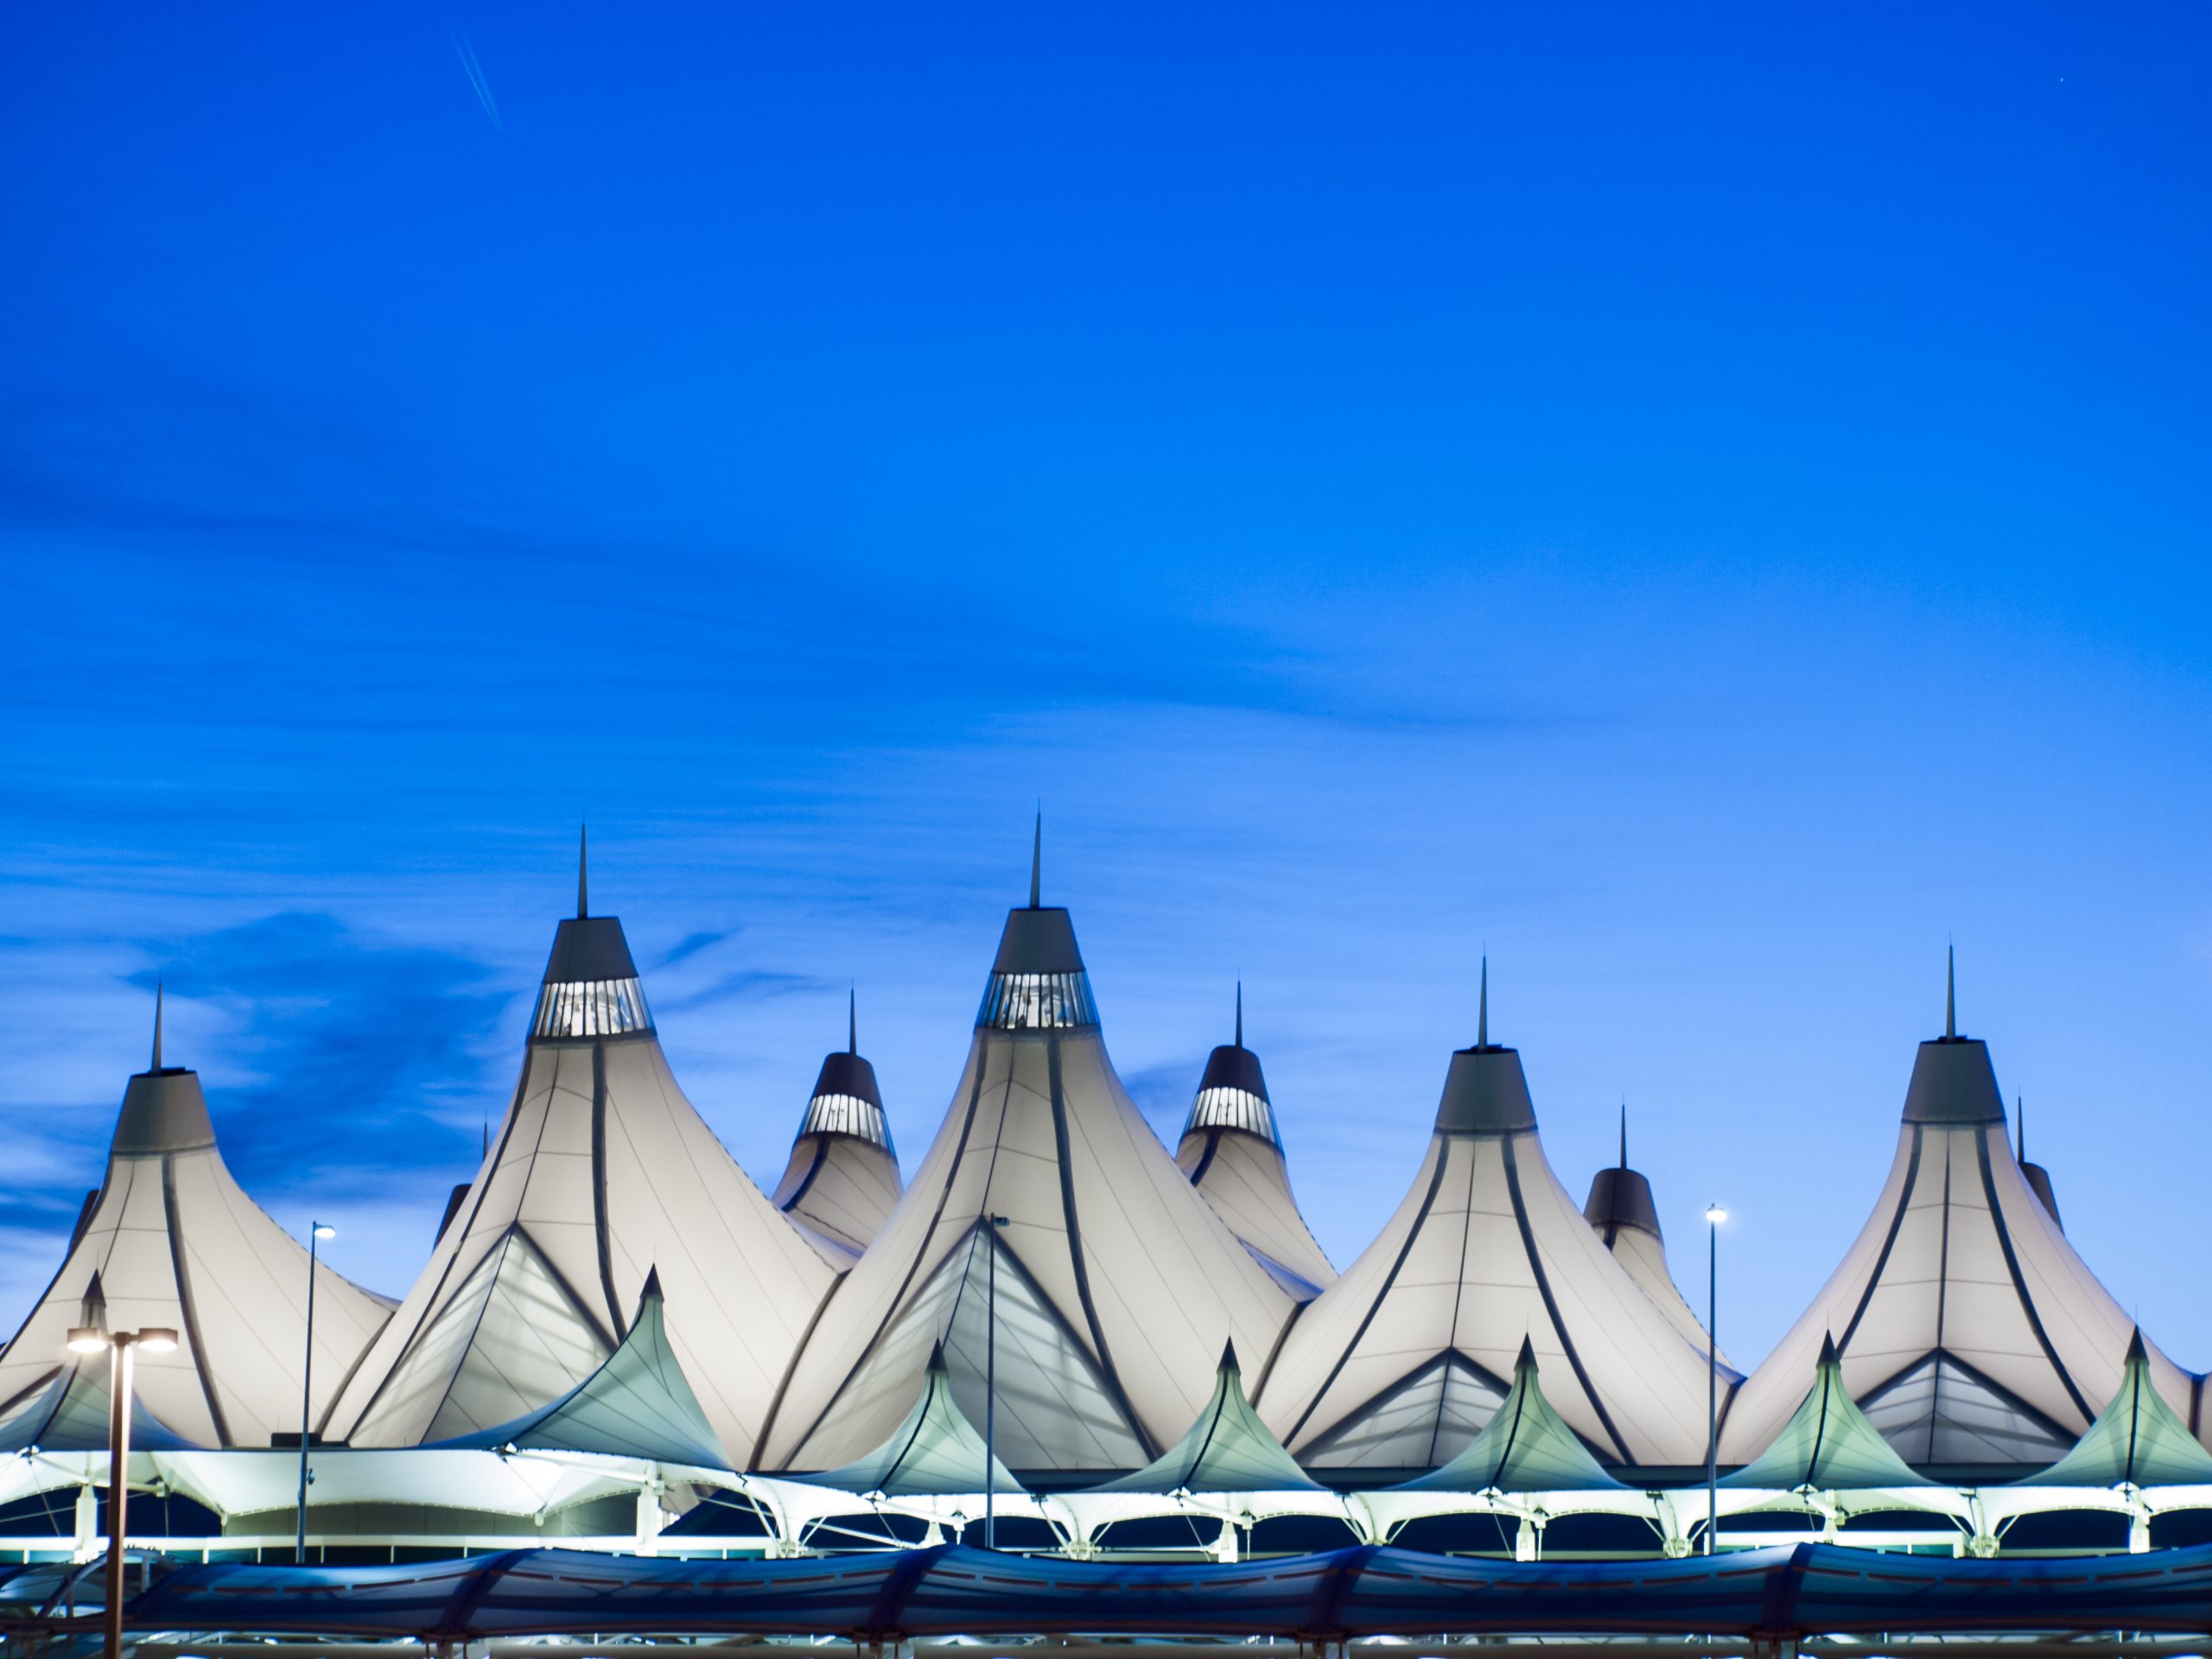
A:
[1367,1590]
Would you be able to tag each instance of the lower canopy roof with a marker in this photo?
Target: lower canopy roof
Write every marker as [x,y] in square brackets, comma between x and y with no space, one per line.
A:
[1365,1591]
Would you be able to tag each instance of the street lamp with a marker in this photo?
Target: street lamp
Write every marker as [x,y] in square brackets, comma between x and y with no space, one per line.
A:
[991,1388]
[1714,1215]
[317,1231]
[90,1339]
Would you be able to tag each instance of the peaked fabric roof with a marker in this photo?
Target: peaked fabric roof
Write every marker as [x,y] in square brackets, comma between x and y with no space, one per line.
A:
[1627,1221]
[1970,1333]
[2038,1177]
[1228,1449]
[1404,1360]
[1116,1286]
[70,1412]
[638,1404]
[935,1451]
[1232,1151]
[2137,1441]
[601,1171]
[1826,1444]
[842,1179]
[1525,1447]
[171,1239]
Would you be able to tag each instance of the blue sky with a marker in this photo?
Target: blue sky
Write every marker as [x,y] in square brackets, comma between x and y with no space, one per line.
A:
[1705,503]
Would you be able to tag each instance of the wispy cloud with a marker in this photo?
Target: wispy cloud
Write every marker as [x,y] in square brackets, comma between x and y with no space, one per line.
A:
[345,1043]
[476,76]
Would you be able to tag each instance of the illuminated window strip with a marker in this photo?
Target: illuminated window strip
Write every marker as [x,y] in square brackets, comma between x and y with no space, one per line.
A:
[1232,1109]
[846,1115]
[599,1008]
[1036,1003]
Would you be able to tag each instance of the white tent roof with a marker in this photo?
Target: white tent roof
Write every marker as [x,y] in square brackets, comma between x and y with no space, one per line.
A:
[2137,1441]
[601,1173]
[1827,1444]
[1232,1151]
[639,1405]
[1621,1209]
[1402,1362]
[935,1451]
[171,1239]
[1116,1286]
[1970,1331]
[1228,1449]
[841,1183]
[1525,1447]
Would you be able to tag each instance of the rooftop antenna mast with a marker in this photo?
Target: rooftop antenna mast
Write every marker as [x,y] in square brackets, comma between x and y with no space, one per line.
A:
[583,890]
[1036,857]
[1482,1018]
[1950,994]
[157,1025]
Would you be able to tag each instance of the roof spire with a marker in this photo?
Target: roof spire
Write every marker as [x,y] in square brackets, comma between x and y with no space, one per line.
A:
[157,1025]
[583,895]
[852,1020]
[2020,1125]
[1950,994]
[1037,855]
[1240,1013]
[1482,1020]
[1623,1134]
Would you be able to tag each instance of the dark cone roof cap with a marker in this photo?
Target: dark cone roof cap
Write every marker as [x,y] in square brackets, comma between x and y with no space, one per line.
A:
[587,949]
[1622,1197]
[844,1073]
[1485,1093]
[1231,1067]
[1954,1082]
[1038,941]
[163,1111]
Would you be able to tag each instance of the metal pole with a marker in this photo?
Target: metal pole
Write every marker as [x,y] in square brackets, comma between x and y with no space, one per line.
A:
[118,1485]
[307,1375]
[1712,1380]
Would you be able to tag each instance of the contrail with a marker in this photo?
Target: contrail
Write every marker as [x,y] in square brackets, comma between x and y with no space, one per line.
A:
[476,77]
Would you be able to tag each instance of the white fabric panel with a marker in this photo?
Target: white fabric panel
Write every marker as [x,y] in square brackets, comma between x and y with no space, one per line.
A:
[1945,1284]
[840,1189]
[1936,1412]
[1644,1258]
[740,1282]
[241,1313]
[1168,1282]
[528,1342]
[1248,1185]
[1450,1274]
[1427,1419]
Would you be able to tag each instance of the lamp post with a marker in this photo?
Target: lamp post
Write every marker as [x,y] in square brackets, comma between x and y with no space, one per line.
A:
[991,1387]
[317,1231]
[90,1339]
[1714,1215]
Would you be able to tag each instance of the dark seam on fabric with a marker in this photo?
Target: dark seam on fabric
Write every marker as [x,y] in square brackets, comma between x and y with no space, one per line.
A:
[1551,1306]
[1205,1159]
[460,1237]
[1889,1242]
[1458,1300]
[184,1298]
[568,1290]
[898,1301]
[1942,1288]
[2019,1285]
[1443,1159]
[820,1157]
[1108,1373]
[599,1186]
